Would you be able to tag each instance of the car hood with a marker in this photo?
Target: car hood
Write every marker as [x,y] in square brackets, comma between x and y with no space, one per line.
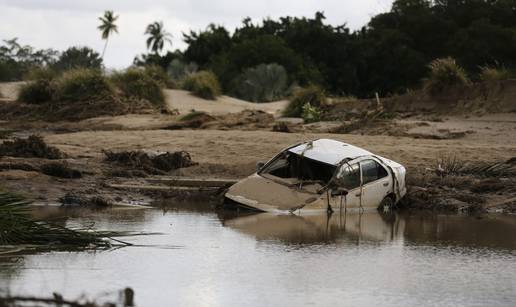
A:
[265,194]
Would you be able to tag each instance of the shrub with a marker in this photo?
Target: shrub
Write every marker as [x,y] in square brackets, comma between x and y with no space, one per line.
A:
[203,84]
[36,92]
[313,95]
[138,83]
[81,85]
[310,113]
[444,73]
[265,82]
[39,73]
[159,75]
[493,74]
[178,69]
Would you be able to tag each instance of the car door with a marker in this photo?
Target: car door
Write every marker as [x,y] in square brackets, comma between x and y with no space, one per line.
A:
[348,179]
[376,183]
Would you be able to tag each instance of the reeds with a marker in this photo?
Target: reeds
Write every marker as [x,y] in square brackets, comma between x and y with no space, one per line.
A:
[17,228]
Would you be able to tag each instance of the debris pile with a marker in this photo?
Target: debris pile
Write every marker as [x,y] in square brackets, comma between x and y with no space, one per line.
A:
[32,147]
[155,164]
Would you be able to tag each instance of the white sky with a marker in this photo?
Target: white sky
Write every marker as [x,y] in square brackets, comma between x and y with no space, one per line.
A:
[59,24]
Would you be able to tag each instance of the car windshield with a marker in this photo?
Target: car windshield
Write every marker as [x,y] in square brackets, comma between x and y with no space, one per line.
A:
[295,169]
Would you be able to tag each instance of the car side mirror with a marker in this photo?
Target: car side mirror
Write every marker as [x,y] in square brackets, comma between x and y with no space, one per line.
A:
[259,166]
[339,192]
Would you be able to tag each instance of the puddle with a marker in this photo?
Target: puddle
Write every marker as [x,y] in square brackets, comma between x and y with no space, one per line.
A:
[203,258]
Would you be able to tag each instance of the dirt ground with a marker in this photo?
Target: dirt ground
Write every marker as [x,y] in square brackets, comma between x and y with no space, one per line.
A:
[233,154]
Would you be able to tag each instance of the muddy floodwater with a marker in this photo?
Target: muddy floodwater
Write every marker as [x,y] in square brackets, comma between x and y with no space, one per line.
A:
[204,258]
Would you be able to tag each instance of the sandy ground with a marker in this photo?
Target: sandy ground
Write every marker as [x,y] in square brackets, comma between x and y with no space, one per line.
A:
[238,151]
[185,102]
[234,153]
[9,90]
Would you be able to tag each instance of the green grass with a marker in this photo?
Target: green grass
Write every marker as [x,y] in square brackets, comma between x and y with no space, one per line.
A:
[82,85]
[445,73]
[312,95]
[36,92]
[139,84]
[494,74]
[203,84]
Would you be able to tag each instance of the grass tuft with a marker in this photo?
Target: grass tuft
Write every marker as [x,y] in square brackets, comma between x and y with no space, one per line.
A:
[313,95]
[203,84]
[445,73]
[140,84]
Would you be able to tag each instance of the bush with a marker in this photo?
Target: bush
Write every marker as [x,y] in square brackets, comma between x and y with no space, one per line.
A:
[39,73]
[36,92]
[138,83]
[81,85]
[159,75]
[444,73]
[310,113]
[494,74]
[178,69]
[313,95]
[265,82]
[203,84]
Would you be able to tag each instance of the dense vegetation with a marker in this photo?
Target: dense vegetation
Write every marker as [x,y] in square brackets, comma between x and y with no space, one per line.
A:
[388,55]
[391,54]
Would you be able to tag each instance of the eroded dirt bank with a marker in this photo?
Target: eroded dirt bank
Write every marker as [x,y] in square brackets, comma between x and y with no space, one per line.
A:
[233,154]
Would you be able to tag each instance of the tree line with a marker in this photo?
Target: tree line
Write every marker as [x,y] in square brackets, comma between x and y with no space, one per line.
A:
[388,55]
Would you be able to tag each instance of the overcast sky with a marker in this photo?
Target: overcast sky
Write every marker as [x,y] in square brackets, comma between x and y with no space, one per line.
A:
[59,24]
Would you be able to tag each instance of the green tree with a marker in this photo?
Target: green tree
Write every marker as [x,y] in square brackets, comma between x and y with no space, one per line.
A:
[157,37]
[78,57]
[107,27]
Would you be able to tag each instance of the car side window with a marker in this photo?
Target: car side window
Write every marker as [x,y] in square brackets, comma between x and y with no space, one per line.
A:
[349,177]
[372,171]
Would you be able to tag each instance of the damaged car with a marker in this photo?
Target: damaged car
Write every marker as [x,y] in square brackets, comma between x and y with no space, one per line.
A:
[321,175]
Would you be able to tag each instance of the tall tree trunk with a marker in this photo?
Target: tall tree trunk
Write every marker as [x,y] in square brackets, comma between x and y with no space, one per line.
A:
[104,50]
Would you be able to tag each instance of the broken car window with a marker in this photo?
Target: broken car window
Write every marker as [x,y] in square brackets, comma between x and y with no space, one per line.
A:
[290,165]
[349,176]
[372,171]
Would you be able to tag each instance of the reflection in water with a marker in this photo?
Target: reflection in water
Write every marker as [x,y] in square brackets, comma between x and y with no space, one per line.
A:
[319,228]
[416,228]
[264,259]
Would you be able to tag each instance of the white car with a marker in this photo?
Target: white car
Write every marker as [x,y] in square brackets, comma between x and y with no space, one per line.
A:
[321,175]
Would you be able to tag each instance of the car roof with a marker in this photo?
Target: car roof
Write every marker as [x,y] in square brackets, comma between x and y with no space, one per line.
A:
[329,151]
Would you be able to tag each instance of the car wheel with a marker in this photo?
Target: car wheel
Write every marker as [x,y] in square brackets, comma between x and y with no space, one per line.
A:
[387,204]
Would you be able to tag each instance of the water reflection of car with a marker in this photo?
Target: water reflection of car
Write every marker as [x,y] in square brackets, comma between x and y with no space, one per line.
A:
[315,228]
[321,175]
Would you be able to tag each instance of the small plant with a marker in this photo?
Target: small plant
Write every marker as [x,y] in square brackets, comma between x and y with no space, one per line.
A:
[203,84]
[311,114]
[178,69]
[82,85]
[494,74]
[313,95]
[138,83]
[265,82]
[444,74]
[36,92]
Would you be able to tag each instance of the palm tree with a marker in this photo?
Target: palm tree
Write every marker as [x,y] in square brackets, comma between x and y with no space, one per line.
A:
[157,37]
[107,27]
